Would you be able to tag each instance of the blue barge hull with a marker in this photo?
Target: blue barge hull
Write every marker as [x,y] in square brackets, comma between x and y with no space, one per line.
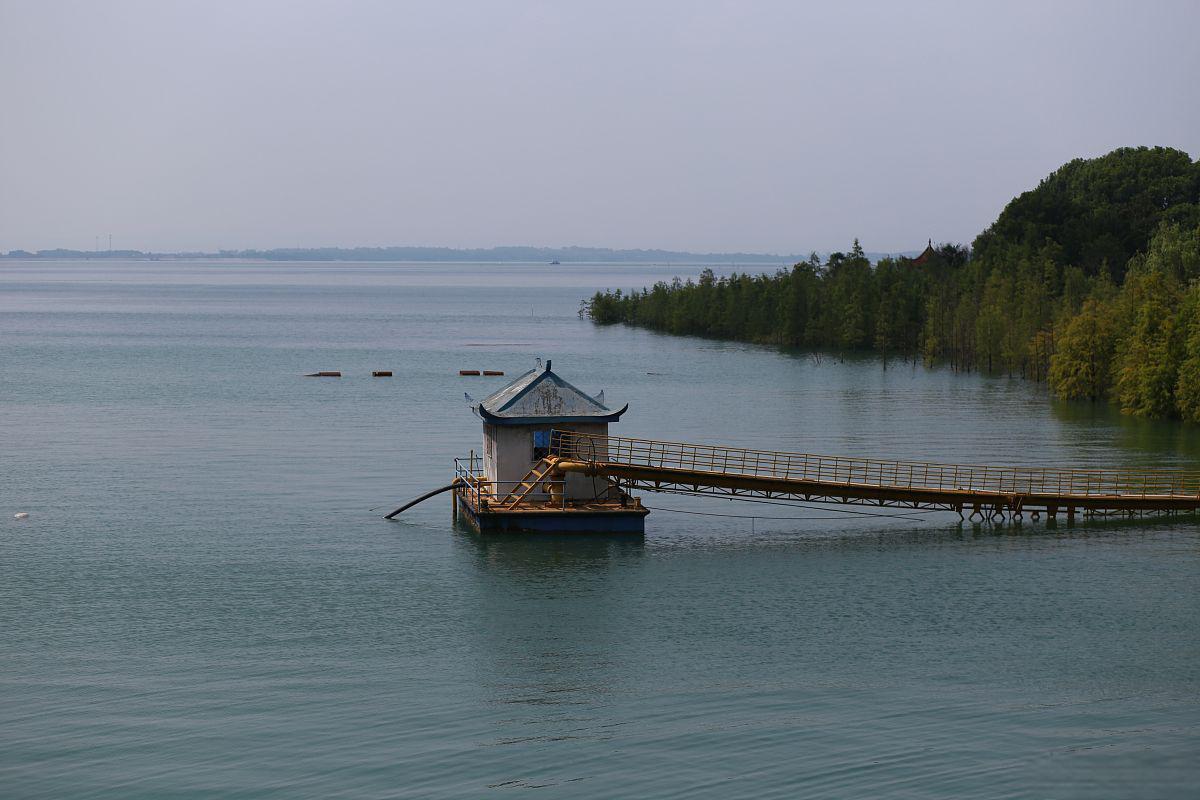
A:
[594,518]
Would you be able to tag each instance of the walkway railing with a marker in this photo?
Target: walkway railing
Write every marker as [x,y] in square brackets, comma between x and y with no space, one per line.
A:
[476,487]
[468,473]
[715,459]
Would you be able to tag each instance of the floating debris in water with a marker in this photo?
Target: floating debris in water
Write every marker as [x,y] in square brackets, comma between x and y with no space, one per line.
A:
[21,515]
[468,372]
[381,373]
[323,375]
[493,372]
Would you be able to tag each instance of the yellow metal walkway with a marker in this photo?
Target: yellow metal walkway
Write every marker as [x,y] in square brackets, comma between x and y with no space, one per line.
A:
[978,491]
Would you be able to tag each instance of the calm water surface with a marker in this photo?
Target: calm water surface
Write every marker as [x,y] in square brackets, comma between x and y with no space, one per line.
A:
[202,603]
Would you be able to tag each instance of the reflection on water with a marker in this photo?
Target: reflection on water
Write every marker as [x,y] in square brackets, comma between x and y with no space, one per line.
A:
[538,555]
[1145,440]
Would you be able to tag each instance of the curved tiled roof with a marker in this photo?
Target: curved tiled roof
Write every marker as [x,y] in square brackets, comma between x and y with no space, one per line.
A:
[540,396]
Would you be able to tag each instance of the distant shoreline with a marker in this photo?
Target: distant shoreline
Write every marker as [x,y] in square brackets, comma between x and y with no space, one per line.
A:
[498,255]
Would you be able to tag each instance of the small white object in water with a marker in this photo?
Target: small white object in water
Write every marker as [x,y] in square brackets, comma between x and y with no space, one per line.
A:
[21,515]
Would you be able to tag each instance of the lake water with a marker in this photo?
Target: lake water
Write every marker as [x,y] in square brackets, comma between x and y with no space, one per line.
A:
[203,604]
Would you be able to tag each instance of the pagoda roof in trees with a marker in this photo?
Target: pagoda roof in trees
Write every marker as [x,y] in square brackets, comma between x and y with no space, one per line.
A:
[926,254]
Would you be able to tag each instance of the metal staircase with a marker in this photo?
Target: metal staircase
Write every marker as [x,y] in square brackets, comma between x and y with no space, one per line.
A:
[529,483]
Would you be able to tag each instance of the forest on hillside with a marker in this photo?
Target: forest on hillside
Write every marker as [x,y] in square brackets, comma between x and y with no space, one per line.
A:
[1090,281]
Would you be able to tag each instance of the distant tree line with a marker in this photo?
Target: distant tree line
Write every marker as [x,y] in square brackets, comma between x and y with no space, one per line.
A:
[505,254]
[82,255]
[563,255]
[1091,282]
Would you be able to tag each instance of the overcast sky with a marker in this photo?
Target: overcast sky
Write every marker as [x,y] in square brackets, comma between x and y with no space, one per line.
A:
[706,126]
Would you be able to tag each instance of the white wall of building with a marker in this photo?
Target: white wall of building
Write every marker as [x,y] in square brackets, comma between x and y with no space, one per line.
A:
[508,456]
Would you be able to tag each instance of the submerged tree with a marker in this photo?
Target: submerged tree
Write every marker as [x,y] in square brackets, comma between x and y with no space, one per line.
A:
[1043,294]
[1082,363]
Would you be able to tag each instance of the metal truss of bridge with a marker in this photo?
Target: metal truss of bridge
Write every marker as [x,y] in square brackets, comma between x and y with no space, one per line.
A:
[977,492]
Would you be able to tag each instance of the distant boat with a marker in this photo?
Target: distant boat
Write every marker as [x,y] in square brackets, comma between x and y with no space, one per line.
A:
[556,261]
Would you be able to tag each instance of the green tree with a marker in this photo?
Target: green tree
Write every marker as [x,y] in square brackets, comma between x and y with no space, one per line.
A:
[1187,386]
[1081,367]
[1150,355]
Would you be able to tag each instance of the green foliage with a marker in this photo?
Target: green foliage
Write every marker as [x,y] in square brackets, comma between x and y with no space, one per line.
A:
[1044,293]
[1081,366]
[1149,353]
[1096,212]
[845,304]
[1187,387]
[1141,344]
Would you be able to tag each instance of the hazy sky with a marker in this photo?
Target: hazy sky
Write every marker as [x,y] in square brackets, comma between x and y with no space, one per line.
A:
[707,126]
